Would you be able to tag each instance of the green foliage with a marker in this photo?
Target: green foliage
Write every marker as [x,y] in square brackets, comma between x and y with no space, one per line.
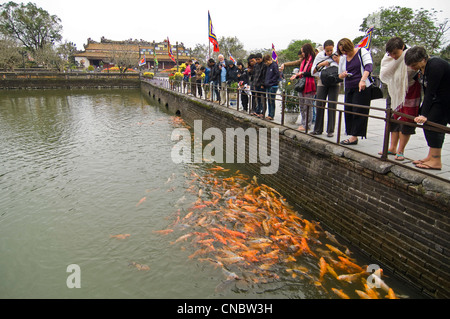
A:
[34,27]
[291,52]
[415,27]
[445,53]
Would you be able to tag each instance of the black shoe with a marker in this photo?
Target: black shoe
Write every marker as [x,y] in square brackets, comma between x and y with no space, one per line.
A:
[330,135]
[316,133]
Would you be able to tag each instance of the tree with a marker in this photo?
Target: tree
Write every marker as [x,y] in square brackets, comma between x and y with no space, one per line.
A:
[415,27]
[291,52]
[124,59]
[10,54]
[445,53]
[232,45]
[34,27]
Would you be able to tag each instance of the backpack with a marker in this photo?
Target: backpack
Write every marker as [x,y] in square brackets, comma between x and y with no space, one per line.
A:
[330,76]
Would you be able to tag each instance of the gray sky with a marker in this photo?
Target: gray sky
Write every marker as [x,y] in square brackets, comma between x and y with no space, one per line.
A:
[256,24]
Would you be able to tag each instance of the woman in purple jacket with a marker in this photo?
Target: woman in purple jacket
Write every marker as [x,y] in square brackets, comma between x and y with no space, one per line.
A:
[355,66]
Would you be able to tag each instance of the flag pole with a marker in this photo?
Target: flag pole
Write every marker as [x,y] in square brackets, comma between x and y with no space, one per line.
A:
[209,42]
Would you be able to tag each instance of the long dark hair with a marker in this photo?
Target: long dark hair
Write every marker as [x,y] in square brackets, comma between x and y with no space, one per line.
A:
[308,50]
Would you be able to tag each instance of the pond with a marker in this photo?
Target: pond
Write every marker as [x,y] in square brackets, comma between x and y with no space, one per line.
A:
[87,179]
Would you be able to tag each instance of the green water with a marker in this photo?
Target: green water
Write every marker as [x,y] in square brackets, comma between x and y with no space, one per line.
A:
[73,167]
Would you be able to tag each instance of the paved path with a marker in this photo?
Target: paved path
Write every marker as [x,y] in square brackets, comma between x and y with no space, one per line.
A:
[416,149]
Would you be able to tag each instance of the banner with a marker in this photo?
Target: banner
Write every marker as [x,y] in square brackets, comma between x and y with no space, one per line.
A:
[211,35]
[366,41]
[274,54]
[172,57]
[142,61]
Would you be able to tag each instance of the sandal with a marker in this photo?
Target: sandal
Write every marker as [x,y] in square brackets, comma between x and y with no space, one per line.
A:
[347,142]
[388,153]
[399,157]
[301,129]
[426,166]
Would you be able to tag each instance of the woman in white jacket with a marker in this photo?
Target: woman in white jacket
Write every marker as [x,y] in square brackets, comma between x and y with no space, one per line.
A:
[324,60]
[404,94]
[355,66]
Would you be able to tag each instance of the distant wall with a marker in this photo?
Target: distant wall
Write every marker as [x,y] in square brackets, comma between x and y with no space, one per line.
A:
[56,80]
[397,216]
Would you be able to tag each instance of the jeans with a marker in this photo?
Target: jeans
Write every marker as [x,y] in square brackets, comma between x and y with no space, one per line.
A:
[271,95]
[260,100]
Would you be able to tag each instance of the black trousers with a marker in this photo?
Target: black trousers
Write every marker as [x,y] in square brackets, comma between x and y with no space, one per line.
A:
[440,115]
[355,124]
[322,92]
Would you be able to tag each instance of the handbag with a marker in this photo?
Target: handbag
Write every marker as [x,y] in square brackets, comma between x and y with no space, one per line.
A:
[300,85]
[375,90]
[330,76]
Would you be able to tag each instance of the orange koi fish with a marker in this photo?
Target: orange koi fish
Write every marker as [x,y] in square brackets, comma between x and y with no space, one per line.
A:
[250,255]
[188,215]
[305,247]
[234,233]
[184,237]
[340,293]
[220,238]
[362,294]
[331,271]
[143,199]
[391,294]
[163,232]
[337,251]
[218,168]
[371,292]
[120,236]
[350,264]
[323,268]
[140,266]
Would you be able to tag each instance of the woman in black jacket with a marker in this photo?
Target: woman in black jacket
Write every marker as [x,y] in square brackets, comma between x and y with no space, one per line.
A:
[436,103]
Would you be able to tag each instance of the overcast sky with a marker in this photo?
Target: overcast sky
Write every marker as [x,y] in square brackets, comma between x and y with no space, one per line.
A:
[257,24]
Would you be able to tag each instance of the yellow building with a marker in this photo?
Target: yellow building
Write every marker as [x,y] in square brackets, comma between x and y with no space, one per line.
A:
[108,53]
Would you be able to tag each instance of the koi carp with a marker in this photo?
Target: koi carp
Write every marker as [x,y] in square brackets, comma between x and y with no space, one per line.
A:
[120,236]
[340,293]
[163,231]
[362,294]
[143,199]
[323,268]
[350,277]
[350,264]
[140,266]
[182,238]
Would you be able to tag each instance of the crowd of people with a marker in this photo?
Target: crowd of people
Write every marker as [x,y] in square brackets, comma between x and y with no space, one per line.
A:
[407,72]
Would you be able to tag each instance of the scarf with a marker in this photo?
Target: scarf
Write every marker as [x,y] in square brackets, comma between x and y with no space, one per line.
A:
[395,74]
[310,84]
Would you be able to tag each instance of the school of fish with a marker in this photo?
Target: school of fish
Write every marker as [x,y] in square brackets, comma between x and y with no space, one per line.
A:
[249,231]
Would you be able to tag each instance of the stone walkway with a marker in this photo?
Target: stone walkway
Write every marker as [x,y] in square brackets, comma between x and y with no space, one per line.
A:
[416,149]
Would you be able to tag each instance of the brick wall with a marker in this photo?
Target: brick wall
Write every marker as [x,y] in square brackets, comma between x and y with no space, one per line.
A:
[52,80]
[396,216]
